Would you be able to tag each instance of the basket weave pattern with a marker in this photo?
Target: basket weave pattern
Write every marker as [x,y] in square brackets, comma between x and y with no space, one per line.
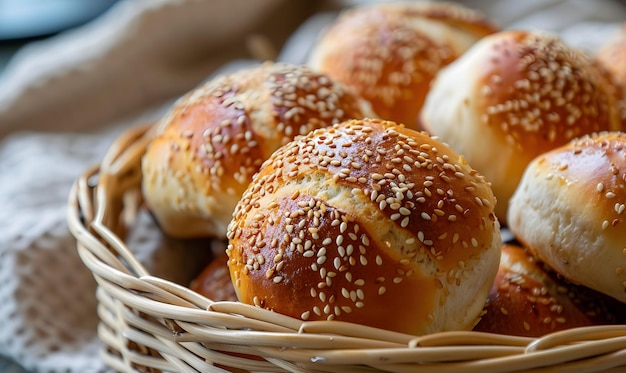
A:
[149,324]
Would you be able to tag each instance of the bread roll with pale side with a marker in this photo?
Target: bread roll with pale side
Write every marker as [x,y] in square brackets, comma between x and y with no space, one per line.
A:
[570,211]
[513,96]
[389,53]
[214,139]
[367,222]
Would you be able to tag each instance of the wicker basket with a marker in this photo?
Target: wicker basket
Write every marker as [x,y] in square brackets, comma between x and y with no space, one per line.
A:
[151,324]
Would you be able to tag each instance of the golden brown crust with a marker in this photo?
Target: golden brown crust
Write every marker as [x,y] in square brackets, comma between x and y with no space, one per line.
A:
[540,93]
[569,210]
[515,95]
[389,53]
[214,281]
[529,300]
[214,139]
[351,220]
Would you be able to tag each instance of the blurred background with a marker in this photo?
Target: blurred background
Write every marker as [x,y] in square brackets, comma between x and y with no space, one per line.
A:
[24,21]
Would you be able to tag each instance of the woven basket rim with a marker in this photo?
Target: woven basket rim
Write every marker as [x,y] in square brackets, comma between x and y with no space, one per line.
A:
[151,324]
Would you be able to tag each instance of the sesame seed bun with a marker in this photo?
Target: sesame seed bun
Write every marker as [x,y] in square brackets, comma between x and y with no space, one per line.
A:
[528,299]
[609,61]
[513,96]
[214,280]
[364,217]
[214,139]
[389,53]
[569,211]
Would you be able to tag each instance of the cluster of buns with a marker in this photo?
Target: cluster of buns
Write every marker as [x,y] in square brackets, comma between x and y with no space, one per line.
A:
[364,217]
[214,139]
[389,53]
[544,122]
[569,215]
[330,214]
[513,96]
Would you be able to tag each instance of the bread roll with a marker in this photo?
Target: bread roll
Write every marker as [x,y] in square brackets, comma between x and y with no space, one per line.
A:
[569,210]
[529,300]
[613,54]
[214,281]
[515,95]
[389,53]
[214,139]
[367,222]
[609,60]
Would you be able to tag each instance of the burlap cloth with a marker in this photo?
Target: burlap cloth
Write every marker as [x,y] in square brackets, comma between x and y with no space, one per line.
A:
[64,100]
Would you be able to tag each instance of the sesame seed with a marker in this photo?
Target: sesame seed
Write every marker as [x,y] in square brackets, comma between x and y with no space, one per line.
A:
[405,222]
[365,240]
[339,240]
[349,250]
